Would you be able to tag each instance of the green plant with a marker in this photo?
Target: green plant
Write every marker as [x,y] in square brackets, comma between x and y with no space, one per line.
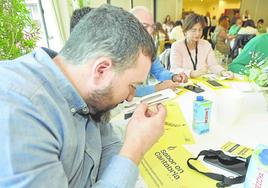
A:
[258,68]
[18,32]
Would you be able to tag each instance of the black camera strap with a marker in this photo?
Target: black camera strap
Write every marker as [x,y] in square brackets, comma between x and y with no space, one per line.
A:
[223,180]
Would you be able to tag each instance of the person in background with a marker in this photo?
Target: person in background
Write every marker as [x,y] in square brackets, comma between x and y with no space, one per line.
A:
[167,79]
[213,24]
[78,15]
[220,37]
[168,24]
[233,31]
[258,44]
[193,55]
[236,27]
[159,33]
[176,33]
[54,112]
[160,37]
[234,18]
[260,26]
[248,28]
[206,31]
[246,16]
[183,15]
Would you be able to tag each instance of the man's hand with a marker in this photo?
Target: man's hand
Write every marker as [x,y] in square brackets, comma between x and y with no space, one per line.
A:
[180,77]
[166,84]
[144,129]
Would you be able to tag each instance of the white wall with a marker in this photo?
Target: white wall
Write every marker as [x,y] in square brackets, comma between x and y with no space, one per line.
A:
[58,22]
[164,8]
[119,3]
[215,7]
[179,6]
[257,9]
[96,3]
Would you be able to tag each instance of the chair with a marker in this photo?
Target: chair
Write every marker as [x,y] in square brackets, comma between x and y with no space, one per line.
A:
[165,58]
[168,44]
[239,43]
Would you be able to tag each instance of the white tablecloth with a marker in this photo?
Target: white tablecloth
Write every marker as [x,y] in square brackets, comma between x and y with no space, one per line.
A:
[239,114]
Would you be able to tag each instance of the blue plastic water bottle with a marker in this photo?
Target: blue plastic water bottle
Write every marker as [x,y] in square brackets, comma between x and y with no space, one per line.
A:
[201,115]
[257,173]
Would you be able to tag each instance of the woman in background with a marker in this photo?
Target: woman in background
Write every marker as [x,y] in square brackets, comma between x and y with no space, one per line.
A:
[168,24]
[192,55]
[248,28]
[159,33]
[159,36]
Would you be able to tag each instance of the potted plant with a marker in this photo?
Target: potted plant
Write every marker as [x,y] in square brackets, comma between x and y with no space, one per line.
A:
[18,32]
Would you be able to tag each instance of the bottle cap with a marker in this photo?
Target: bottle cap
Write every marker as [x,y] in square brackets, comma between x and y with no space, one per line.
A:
[199,98]
[264,156]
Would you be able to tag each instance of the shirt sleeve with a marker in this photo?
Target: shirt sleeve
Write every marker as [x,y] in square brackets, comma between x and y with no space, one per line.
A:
[143,90]
[111,163]
[29,150]
[239,63]
[176,62]
[111,145]
[159,72]
[121,173]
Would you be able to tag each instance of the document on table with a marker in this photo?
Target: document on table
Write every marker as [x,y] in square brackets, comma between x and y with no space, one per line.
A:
[176,129]
[166,166]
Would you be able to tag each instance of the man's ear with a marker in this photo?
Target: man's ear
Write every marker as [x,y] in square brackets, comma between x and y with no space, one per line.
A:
[102,68]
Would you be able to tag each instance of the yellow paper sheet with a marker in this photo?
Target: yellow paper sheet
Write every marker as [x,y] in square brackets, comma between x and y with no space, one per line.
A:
[182,92]
[237,149]
[176,128]
[165,166]
[241,78]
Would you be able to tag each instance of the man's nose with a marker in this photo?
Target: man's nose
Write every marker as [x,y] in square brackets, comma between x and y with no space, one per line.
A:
[130,96]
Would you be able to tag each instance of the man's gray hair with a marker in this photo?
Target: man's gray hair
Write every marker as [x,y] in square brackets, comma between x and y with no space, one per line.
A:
[108,32]
[136,10]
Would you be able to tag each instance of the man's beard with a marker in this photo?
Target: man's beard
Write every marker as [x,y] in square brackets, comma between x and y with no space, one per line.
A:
[101,117]
[99,105]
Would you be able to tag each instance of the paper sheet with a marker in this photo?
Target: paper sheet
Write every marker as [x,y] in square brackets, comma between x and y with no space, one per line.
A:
[237,149]
[176,128]
[166,167]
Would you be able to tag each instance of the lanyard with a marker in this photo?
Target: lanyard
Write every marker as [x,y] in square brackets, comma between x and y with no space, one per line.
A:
[196,51]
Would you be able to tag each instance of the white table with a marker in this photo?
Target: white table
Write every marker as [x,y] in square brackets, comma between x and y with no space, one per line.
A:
[248,124]
[241,117]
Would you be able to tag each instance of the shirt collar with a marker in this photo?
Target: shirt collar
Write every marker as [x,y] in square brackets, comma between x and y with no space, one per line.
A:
[76,103]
